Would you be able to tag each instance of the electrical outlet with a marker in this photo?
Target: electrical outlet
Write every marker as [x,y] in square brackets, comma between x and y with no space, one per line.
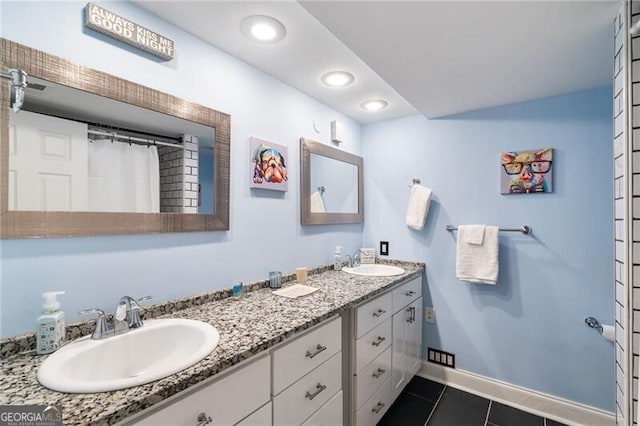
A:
[430,315]
[384,248]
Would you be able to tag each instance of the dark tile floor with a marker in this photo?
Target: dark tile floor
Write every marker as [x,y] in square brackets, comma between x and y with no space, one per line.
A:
[427,403]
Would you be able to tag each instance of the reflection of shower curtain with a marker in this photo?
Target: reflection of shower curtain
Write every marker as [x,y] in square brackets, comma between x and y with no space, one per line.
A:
[123,177]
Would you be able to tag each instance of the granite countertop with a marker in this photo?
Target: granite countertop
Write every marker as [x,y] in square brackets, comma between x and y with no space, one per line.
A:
[247,326]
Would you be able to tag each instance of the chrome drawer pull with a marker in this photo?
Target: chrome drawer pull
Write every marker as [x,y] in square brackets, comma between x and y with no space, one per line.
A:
[379,372]
[319,388]
[413,314]
[319,349]
[410,314]
[203,419]
[378,341]
[379,406]
[410,293]
[379,312]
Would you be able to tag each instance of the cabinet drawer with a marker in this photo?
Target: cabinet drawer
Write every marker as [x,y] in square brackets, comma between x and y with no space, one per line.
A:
[374,374]
[372,313]
[373,410]
[330,414]
[226,401]
[407,293]
[295,359]
[372,344]
[262,417]
[304,397]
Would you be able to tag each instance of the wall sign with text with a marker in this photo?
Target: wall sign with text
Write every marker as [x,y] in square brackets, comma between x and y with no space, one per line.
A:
[102,20]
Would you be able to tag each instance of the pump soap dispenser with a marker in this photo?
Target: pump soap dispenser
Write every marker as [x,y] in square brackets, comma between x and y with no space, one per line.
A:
[50,329]
[337,259]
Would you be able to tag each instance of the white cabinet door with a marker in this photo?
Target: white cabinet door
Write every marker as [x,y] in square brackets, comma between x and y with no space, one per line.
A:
[399,361]
[414,340]
[48,163]
[406,356]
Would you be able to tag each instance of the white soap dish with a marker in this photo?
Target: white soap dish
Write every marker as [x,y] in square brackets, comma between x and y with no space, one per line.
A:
[295,291]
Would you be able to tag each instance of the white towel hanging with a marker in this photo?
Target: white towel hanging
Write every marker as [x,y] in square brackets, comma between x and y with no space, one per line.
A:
[317,203]
[418,207]
[477,263]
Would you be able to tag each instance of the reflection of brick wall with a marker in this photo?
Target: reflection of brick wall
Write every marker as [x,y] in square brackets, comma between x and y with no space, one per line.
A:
[190,174]
[179,177]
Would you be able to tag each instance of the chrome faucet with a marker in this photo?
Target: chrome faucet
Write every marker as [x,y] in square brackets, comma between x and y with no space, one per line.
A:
[127,316]
[128,312]
[353,261]
[103,328]
[356,258]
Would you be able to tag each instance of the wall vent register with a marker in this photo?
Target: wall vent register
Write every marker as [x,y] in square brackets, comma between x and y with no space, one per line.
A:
[437,356]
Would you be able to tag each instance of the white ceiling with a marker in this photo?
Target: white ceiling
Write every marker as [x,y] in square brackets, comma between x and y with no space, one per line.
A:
[434,57]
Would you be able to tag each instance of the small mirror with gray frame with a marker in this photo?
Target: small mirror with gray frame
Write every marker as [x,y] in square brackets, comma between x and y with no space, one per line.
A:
[331,185]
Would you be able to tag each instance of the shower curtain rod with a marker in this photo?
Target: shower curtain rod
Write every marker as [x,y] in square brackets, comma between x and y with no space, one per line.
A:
[112,131]
[132,139]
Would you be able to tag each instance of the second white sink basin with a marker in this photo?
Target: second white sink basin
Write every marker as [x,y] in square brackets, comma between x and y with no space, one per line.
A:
[375,270]
[156,350]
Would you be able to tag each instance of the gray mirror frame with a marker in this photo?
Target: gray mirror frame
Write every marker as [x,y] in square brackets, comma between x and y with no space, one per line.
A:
[25,224]
[308,147]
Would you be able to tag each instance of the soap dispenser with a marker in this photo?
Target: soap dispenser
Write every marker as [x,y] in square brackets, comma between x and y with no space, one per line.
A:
[50,330]
[337,259]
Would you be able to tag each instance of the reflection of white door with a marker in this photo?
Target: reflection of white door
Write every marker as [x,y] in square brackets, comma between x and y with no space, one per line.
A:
[47,163]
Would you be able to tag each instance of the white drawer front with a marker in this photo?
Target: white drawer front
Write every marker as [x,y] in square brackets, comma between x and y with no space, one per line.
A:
[372,344]
[373,313]
[226,401]
[373,410]
[407,293]
[262,417]
[330,414]
[372,376]
[305,396]
[295,359]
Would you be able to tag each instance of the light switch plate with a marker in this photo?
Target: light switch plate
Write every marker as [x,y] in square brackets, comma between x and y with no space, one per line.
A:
[384,248]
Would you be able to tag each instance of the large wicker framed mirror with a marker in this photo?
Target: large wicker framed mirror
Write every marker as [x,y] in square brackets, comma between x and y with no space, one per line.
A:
[177,122]
[331,185]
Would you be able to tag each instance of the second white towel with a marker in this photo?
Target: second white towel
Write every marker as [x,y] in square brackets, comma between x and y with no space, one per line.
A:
[317,203]
[477,263]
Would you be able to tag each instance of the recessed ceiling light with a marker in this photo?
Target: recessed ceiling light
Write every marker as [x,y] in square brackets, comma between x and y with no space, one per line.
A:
[374,104]
[337,78]
[263,29]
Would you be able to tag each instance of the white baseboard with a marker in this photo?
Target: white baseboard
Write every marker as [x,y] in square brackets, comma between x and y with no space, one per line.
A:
[544,405]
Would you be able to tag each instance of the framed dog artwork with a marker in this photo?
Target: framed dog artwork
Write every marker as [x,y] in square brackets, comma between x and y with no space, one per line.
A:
[269,163]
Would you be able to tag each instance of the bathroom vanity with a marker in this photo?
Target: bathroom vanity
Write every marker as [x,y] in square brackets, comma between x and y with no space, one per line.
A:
[339,355]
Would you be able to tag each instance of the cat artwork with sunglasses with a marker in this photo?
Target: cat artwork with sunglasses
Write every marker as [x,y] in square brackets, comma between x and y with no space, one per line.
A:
[526,171]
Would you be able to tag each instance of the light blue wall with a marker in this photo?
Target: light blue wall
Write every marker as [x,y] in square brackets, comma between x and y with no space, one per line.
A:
[529,329]
[265,232]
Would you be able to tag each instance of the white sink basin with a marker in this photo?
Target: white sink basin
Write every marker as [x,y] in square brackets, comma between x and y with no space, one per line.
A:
[375,270]
[156,350]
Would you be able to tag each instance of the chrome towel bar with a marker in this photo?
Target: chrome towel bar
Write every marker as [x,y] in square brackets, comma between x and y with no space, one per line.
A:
[525,229]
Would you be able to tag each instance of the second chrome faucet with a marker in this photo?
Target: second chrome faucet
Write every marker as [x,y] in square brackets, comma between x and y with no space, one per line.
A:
[127,317]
